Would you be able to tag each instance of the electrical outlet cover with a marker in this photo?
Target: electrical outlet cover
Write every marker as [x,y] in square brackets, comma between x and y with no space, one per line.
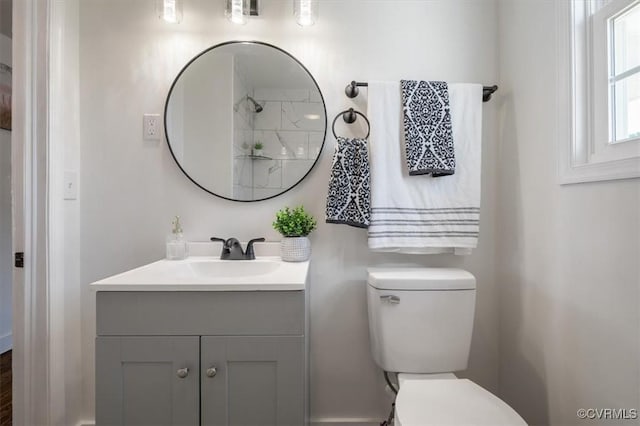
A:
[152,127]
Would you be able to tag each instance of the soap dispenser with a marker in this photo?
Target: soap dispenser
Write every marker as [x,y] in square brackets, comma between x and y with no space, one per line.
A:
[176,245]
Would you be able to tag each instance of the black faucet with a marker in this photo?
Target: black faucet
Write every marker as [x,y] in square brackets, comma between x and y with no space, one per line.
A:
[232,249]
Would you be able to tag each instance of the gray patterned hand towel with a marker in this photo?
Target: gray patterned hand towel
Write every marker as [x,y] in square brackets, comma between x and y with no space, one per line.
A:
[427,128]
[349,198]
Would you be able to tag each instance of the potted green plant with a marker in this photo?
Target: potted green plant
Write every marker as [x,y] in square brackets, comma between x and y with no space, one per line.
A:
[257,149]
[294,225]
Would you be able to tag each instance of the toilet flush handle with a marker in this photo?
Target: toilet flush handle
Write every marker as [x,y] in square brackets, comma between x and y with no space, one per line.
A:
[394,300]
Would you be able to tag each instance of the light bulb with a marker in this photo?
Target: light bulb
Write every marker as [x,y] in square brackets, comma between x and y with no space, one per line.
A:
[306,12]
[170,10]
[237,11]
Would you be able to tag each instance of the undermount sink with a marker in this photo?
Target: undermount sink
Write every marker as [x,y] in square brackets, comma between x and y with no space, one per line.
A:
[207,273]
[209,268]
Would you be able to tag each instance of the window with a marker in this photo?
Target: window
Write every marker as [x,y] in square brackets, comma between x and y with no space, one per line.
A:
[624,75]
[599,90]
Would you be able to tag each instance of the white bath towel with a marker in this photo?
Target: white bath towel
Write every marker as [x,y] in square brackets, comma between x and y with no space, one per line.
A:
[422,214]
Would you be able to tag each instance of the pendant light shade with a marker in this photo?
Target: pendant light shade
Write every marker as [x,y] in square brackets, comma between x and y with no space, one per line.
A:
[306,12]
[170,10]
[237,11]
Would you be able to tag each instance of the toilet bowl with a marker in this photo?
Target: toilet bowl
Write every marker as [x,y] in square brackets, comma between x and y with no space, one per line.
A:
[420,326]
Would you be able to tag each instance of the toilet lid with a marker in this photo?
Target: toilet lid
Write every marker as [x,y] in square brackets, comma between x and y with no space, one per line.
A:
[451,402]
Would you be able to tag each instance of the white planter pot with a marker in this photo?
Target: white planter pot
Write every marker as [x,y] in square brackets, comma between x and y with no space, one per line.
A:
[258,152]
[295,249]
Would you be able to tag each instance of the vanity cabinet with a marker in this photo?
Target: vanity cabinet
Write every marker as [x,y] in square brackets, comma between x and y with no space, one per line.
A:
[138,383]
[260,382]
[201,358]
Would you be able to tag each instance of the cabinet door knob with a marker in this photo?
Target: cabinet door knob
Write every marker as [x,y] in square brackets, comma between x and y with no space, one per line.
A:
[212,371]
[183,372]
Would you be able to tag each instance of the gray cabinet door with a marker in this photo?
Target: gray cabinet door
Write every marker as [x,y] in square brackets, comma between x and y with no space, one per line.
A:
[138,382]
[258,381]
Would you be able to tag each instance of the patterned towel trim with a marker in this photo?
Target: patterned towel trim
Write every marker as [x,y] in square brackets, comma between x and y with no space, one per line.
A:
[349,197]
[347,222]
[427,128]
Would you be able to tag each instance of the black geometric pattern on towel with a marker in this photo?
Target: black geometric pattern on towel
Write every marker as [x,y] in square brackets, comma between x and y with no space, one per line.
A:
[349,198]
[427,128]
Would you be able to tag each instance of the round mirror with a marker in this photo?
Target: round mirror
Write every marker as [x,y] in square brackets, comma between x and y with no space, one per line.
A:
[245,121]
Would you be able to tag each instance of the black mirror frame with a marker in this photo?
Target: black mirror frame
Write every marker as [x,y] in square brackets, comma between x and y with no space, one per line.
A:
[166,107]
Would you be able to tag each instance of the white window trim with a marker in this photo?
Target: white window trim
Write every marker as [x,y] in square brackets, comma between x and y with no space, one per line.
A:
[575,161]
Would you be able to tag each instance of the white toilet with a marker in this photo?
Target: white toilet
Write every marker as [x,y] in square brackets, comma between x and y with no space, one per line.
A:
[420,322]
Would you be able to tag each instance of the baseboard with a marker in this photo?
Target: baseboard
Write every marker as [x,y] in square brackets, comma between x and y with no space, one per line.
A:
[347,421]
[313,422]
[6,342]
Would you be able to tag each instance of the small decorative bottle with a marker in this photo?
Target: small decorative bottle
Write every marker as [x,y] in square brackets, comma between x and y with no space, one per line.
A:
[176,245]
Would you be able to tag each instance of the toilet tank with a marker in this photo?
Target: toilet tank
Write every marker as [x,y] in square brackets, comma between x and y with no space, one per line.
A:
[420,319]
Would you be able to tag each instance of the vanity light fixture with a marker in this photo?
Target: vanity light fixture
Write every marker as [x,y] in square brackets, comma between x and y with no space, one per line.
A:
[306,12]
[169,10]
[237,11]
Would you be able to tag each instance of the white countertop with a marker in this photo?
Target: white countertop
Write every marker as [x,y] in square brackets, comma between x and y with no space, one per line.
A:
[209,273]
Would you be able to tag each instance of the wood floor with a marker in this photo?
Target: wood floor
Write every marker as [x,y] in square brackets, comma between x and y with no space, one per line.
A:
[5,389]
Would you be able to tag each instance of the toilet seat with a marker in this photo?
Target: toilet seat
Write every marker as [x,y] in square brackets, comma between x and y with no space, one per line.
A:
[422,402]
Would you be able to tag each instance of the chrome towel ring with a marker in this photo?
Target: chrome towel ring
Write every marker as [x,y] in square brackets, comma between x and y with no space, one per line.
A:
[350,116]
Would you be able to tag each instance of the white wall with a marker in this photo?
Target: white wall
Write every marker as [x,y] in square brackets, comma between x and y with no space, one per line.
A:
[6,266]
[567,256]
[130,188]
[65,293]
[75,350]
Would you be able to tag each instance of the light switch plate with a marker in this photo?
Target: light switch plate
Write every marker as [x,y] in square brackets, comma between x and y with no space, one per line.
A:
[70,185]
[152,127]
